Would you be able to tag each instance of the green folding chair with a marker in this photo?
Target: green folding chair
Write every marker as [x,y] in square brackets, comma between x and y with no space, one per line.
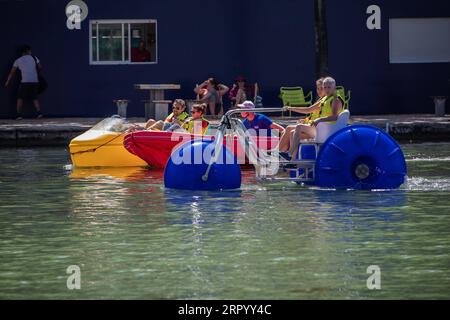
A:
[295,97]
[341,91]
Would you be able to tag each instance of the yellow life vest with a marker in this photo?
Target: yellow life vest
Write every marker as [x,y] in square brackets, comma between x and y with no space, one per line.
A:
[183,116]
[198,126]
[316,114]
[326,108]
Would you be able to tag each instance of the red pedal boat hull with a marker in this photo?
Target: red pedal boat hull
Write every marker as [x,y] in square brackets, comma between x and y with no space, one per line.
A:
[155,147]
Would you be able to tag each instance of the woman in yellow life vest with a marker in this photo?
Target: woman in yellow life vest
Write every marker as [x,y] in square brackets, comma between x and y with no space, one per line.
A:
[313,112]
[197,124]
[331,105]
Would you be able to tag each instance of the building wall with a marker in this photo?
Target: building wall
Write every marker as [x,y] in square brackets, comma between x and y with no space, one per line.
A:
[194,43]
[279,46]
[266,41]
[220,39]
[359,58]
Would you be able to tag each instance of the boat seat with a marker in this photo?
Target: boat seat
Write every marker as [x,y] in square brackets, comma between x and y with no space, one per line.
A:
[325,130]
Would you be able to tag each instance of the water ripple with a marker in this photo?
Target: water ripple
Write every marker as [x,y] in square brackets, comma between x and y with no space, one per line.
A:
[134,239]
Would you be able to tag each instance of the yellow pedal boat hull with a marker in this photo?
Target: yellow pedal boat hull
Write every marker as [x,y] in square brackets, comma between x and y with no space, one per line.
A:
[99,148]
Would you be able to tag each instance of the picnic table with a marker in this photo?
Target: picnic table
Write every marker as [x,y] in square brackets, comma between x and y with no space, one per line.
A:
[156,92]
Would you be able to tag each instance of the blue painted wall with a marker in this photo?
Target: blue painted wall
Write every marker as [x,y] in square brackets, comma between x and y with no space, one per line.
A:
[267,41]
[359,58]
[279,46]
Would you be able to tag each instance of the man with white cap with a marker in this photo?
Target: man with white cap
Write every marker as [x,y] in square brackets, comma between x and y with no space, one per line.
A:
[256,122]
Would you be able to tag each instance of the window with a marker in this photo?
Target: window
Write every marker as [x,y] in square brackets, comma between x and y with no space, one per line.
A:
[123,42]
[419,40]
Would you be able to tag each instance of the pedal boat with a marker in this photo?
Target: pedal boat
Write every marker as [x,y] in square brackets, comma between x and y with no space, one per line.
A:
[103,146]
[155,147]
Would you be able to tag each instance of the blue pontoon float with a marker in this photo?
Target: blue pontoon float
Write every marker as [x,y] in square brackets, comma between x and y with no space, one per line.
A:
[357,157]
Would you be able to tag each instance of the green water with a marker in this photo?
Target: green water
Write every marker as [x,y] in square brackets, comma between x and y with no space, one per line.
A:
[133,239]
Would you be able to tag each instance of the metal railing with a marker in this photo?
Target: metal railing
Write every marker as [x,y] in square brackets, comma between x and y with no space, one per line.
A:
[262,160]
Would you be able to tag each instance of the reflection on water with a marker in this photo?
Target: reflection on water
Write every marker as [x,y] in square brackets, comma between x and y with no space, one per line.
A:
[134,239]
[203,207]
[126,173]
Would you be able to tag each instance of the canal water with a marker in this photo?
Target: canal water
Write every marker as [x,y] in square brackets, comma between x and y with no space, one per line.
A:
[133,239]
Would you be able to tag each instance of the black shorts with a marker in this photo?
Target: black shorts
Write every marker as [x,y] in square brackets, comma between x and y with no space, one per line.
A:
[28,90]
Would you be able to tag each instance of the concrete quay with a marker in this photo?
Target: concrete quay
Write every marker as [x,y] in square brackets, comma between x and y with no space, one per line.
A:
[59,131]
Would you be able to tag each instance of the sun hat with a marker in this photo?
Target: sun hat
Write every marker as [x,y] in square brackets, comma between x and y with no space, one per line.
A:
[246,105]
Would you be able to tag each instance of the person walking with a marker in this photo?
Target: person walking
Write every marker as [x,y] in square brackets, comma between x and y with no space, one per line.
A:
[28,90]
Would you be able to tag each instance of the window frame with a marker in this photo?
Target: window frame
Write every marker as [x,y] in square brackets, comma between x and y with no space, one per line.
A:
[123,23]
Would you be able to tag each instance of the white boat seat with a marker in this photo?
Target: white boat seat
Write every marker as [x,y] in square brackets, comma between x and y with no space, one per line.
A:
[325,130]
